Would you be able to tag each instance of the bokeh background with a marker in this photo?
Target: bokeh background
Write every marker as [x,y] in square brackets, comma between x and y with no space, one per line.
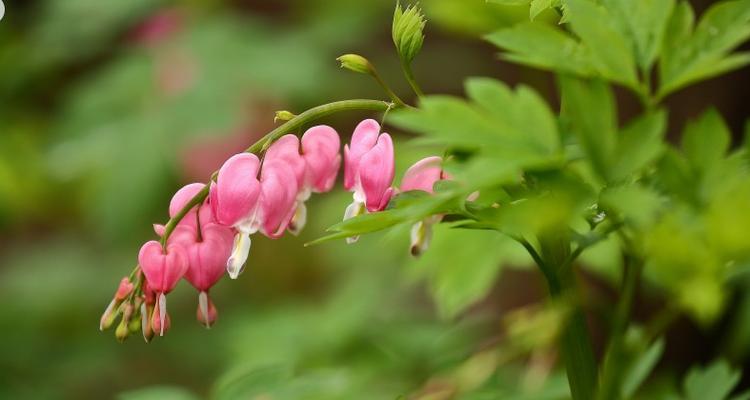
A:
[107,107]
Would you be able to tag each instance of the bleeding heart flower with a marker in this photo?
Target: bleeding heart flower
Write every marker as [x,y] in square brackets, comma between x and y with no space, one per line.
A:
[368,170]
[320,149]
[110,313]
[422,176]
[162,271]
[207,251]
[234,199]
[179,200]
[278,197]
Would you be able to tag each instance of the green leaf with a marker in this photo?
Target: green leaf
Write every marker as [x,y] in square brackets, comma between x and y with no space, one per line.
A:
[706,140]
[538,6]
[609,49]
[691,57]
[637,373]
[636,204]
[510,2]
[542,46]
[462,265]
[589,104]
[640,143]
[714,382]
[643,22]
[158,392]
[523,112]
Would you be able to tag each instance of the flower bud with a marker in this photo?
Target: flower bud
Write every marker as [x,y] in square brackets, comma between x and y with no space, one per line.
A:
[356,63]
[122,332]
[123,329]
[146,310]
[124,289]
[407,29]
[109,315]
[283,115]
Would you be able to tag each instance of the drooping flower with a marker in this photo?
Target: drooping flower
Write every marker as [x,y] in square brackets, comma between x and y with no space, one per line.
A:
[422,176]
[234,200]
[320,149]
[277,199]
[320,161]
[207,250]
[199,214]
[368,169]
[162,271]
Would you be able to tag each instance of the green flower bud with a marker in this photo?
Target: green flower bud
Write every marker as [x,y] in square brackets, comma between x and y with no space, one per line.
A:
[407,29]
[356,63]
[283,115]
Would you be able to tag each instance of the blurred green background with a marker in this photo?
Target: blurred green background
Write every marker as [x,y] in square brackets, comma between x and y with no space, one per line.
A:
[107,107]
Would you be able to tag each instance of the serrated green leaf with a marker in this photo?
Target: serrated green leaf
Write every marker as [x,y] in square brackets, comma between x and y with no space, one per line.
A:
[609,50]
[640,143]
[643,22]
[589,104]
[636,204]
[691,57]
[538,6]
[453,122]
[713,382]
[542,46]
[462,265]
[706,140]
[524,112]
[510,2]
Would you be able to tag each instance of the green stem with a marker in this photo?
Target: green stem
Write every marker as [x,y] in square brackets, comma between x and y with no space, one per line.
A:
[410,78]
[575,341]
[615,355]
[397,100]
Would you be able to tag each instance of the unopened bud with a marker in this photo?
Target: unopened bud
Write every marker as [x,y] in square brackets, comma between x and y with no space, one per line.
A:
[283,115]
[407,31]
[160,318]
[122,332]
[146,311]
[124,289]
[109,315]
[206,313]
[356,63]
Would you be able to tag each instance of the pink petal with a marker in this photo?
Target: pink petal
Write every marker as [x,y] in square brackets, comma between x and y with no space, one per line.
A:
[183,196]
[278,197]
[320,149]
[286,149]
[236,190]
[363,139]
[162,271]
[376,174]
[422,175]
[208,257]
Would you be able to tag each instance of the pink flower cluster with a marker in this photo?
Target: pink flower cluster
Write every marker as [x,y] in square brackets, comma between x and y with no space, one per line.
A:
[265,195]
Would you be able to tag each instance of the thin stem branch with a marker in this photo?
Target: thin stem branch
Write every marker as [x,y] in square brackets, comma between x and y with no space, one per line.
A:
[410,78]
[397,100]
[614,357]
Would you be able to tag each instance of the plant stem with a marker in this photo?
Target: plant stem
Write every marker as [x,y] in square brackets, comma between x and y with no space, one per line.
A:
[575,341]
[397,100]
[410,78]
[614,358]
[262,145]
